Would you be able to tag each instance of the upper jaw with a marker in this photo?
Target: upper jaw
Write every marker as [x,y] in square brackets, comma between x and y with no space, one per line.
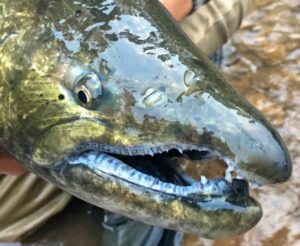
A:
[257,161]
[221,186]
[240,148]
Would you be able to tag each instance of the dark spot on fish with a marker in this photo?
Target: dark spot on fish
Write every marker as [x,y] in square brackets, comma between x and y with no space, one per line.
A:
[164,57]
[112,37]
[78,13]
[61,97]
[41,95]
[207,137]
[42,7]
[162,88]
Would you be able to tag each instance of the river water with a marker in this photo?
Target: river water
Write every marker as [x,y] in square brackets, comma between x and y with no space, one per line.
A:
[263,63]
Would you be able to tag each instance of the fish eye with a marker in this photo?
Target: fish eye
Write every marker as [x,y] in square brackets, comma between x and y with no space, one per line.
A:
[88,90]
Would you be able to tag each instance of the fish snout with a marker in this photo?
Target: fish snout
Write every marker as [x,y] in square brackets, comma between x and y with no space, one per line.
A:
[265,158]
[227,124]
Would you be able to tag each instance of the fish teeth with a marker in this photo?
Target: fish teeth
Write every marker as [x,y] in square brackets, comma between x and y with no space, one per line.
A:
[228,176]
[239,177]
[203,180]
[151,152]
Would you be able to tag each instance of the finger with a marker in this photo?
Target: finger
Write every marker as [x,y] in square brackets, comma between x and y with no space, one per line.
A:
[8,165]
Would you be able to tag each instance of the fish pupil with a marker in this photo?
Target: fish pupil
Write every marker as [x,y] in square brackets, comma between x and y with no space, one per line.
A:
[82,97]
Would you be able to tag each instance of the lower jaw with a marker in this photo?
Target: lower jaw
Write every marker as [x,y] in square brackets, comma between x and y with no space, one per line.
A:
[156,174]
[218,217]
[212,217]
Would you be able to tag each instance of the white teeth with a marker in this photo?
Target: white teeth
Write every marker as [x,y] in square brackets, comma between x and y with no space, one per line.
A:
[239,177]
[151,152]
[203,180]
[228,176]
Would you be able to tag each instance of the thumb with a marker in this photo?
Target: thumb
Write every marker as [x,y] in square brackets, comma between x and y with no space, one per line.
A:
[8,165]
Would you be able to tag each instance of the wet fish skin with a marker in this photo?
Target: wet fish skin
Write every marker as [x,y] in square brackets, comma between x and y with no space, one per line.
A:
[157,91]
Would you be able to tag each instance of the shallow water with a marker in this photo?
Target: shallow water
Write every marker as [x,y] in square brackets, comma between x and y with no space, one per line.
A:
[263,63]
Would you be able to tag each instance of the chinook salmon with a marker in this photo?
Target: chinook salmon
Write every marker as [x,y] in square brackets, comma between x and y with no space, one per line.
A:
[91,91]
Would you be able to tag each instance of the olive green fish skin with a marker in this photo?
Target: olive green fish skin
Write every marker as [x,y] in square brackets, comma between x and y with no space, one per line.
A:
[157,92]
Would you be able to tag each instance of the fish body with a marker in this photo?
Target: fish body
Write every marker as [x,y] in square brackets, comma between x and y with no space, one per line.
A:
[91,88]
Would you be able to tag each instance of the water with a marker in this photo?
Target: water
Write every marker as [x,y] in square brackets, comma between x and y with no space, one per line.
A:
[263,64]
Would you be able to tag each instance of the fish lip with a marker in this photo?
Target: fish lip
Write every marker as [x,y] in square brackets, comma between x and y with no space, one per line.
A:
[255,181]
[117,169]
[221,186]
[88,185]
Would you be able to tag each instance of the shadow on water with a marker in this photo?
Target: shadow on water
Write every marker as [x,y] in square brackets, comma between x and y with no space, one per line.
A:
[263,64]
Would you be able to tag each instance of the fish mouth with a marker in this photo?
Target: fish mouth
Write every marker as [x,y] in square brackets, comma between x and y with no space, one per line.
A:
[150,185]
[149,182]
[161,169]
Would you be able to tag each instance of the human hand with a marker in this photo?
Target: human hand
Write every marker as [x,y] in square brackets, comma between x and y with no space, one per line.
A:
[178,8]
[8,165]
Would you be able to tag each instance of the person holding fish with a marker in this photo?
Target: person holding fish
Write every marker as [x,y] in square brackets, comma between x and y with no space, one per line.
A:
[209,24]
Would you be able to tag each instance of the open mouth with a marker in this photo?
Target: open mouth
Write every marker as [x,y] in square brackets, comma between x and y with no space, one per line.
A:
[180,171]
